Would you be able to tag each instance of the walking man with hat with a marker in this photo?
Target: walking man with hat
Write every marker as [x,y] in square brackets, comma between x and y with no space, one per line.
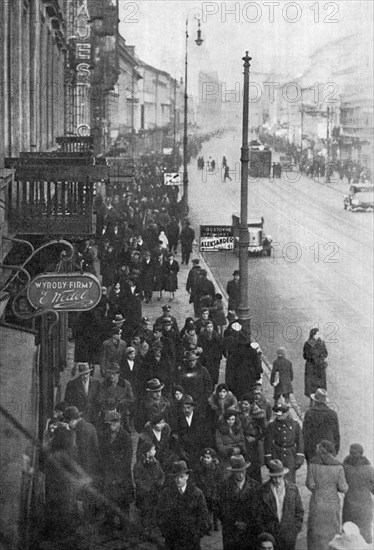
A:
[116,452]
[183,515]
[239,499]
[320,423]
[233,291]
[191,284]
[113,351]
[284,441]
[282,511]
[196,381]
[82,391]
[122,394]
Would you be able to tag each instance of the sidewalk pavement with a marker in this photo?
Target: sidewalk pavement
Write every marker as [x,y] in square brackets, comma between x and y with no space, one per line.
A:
[180,309]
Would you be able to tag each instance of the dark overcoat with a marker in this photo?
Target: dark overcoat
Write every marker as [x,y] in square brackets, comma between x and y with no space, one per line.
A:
[285,532]
[75,395]
[242,505]
[89,457]
[192,438]
[147,275]
[171,276]
[197,383]
[283,367]
[183,518]
[314,353]
[232,290]
[358,501]
[117,455]
[320,422]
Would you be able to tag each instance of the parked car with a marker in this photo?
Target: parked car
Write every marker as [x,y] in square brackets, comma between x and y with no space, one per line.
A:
[287,163]
[259,243]
[360,197]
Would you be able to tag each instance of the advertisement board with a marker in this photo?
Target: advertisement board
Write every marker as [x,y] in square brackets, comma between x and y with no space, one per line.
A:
[216,237]
[64,291]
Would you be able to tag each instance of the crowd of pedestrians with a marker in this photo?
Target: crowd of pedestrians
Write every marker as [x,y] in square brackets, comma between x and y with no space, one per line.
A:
[145,420]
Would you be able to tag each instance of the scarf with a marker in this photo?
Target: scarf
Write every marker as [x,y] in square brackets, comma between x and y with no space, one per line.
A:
[326,459]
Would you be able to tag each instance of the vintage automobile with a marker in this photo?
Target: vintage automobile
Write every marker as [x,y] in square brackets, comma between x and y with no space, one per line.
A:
[360,197]
[287,163]
[259,244]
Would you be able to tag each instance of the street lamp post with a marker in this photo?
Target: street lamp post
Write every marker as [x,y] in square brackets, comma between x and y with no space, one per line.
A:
[328,180]
[243,310]
[198,41]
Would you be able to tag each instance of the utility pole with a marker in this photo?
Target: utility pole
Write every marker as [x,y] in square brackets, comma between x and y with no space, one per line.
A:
[243,309]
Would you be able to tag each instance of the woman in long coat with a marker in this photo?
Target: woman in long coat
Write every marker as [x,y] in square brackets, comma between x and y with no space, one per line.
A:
[159,274]
[229,437]
[314,353]
[358,502]
[171,269]
[325,479]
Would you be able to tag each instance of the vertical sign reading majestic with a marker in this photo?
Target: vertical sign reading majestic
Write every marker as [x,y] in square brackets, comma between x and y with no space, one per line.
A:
[83,62]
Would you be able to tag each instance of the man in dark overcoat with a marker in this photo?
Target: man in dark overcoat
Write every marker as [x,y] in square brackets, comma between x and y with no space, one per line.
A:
[233,292]
[191,284]
[282,511]
[284,441]
[89,457]
[320,422]
[183,516]
[166,313]
[245,366]
[196,381]
[239,499]
[116,452]
[113,351]
[187,237]
[204,291]
[191,431]
[121,393]
[82,392]
[147,276]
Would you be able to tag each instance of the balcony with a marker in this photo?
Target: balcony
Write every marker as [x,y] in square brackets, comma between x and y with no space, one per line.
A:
[53,193]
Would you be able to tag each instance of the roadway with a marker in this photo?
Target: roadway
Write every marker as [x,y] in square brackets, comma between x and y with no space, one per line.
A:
[321,274]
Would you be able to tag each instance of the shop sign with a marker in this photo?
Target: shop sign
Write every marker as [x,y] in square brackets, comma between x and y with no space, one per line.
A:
[64,291]
[216,237]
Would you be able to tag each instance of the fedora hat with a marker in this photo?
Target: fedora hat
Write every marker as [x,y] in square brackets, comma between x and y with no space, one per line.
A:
[236,272]
[129,350]
[276,468]
[82,368]
[114,367]
[238,464]
[112,416]
[196,261]
[281,352]
[154,384]
[118,319]
[320,396]
[72,413]
[179,467]
[166,307]
[188,400]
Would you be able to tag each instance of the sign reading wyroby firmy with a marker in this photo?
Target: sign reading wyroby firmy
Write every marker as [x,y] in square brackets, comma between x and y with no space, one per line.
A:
[216,237]
[64,291]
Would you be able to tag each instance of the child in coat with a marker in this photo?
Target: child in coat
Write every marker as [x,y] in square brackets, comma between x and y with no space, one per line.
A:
[283,367]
